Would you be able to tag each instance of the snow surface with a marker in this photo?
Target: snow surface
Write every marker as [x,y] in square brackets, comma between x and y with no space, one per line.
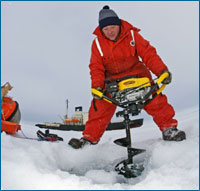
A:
[33,165]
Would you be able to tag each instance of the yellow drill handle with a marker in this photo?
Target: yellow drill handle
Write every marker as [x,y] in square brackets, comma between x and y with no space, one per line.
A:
[160,80]
[100,94]
[96,92]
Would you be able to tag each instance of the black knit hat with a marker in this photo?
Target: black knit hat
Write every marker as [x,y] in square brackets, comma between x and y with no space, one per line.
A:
[108,17]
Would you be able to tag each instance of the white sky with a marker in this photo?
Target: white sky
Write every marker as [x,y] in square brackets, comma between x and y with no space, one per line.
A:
[45,49]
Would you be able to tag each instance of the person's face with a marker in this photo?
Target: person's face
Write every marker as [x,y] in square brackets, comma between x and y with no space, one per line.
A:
[111,32]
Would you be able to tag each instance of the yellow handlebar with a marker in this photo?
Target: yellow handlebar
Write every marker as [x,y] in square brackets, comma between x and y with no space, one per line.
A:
[100,94]
[160,80]
[97,92]
[162,77]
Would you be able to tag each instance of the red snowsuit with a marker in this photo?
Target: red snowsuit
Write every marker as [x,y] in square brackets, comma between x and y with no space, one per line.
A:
[119,59]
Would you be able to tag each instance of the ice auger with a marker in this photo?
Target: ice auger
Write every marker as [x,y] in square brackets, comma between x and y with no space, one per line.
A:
[130,93]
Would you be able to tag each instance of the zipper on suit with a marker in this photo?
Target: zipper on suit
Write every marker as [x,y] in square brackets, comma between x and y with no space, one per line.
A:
[112,44]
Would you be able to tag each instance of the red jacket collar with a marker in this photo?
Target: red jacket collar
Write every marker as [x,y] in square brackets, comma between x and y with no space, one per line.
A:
[125,27]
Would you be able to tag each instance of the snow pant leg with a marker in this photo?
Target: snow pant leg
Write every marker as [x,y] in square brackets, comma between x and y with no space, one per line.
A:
[98,120]
[162,112]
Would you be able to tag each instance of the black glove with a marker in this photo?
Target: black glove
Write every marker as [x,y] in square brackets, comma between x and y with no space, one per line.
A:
[96,96]
[168,79]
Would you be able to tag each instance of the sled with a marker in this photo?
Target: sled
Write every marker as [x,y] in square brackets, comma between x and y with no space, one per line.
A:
[48,136]
[9,127]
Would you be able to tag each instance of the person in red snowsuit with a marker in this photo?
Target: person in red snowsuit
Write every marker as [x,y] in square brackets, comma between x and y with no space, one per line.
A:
[118,51]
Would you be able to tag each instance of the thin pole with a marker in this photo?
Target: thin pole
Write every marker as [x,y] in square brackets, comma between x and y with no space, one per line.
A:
[67,107]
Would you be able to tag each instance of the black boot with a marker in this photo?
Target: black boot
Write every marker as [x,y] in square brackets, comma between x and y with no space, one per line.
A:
[173,134]
[79,143]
